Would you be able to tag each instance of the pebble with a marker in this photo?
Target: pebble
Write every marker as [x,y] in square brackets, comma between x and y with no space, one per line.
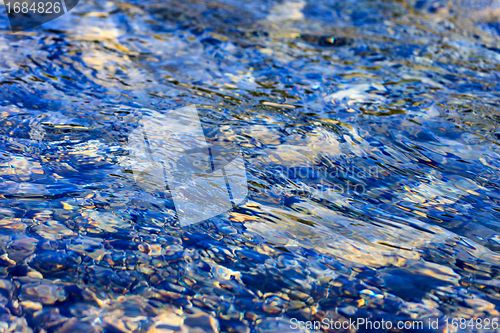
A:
[203,321]
[7,288]
[167,323]
[43,293]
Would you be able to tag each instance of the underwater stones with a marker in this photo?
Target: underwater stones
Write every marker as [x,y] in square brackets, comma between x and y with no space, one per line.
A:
[81,309]
[119,244]
[20,247]
[157,277]
[298,295]
[5,261]
[111,316]
[172,250]
[151,249]
[53,230]
[116,259]
[49,318]
[79,293]
[168,323]
[275,304]
[56,262]
[205,322]
[43,293]
[7,288]
[235,326]
[119,281]
[305,313]
[205,302]
[74,325]
[48,245]
[332,317]
[9,323]
[134,307]
[251,316]
[296,305]
[13,225]
[348,247]
[31,306]
[35,275]
[230,315]
[87,246]
[115,322]
[104,221]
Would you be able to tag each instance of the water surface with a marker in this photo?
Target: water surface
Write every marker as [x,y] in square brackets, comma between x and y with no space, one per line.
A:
[370,132]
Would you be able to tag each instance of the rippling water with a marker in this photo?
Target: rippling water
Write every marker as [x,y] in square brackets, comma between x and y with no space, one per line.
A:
[370,131]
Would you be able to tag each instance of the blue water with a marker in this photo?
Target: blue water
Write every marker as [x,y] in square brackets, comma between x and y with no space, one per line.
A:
[370,132]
